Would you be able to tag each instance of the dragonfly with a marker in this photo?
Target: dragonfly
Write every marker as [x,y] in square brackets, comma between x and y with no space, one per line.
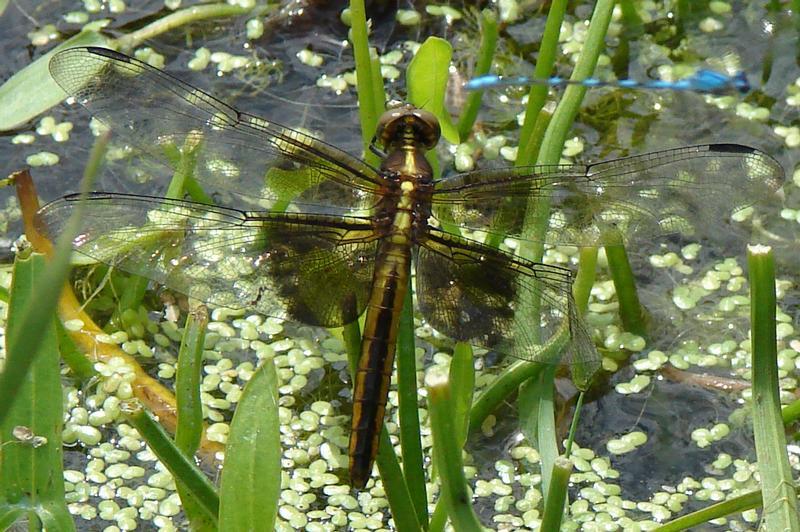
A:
[305,231]
[704,81]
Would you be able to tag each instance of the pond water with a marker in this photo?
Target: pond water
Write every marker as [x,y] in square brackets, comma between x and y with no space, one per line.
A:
[690,436]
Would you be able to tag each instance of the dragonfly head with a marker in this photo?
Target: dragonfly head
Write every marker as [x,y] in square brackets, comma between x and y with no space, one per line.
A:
[403,123]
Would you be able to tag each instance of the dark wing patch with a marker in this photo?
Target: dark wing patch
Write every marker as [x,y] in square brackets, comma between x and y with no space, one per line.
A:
[487,297]
[313,269]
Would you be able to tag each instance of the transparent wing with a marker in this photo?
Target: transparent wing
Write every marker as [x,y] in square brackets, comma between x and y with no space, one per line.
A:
[639,197]
[241,154]
[313,269]
[476,293]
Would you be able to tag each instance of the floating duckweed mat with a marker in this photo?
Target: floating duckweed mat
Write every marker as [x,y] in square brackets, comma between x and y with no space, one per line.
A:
[667,429]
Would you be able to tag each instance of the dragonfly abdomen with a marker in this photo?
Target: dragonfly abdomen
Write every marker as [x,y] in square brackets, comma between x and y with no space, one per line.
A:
[375,365]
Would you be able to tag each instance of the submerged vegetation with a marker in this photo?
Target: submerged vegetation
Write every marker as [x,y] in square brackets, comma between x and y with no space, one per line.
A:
[665,429]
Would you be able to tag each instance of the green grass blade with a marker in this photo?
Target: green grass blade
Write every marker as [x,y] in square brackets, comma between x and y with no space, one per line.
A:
[447,456]
[439,517]
[462,379]
[181,466]
[78,363]
[557,494]
[132,294]
[631,311]
[499,390]
[55,516]
[189,428]
[529,140]
[538,210]
[367,110]
[378,93]
[791,412]
[50,283]
[563,117]
[482,66]
[394,484]
[31,461]
[537,419]
[584,279]
[742,503]
[573,427]
[739,504]
[780,502]
[510,380]
[34,317]
[351,334]
[536,123]
[251,479]
[187,381]
[408,410]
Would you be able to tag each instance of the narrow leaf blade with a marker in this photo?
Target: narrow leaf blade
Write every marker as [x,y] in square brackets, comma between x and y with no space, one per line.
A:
[32,91]
[251,479]
[31,470]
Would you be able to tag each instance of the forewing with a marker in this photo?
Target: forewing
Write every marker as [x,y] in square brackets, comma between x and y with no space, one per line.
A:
[681,190]
[266,163]
[313,269]
[487,297]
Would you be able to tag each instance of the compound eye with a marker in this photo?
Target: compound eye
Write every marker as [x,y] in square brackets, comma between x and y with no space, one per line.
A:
[429,127]
[387,125]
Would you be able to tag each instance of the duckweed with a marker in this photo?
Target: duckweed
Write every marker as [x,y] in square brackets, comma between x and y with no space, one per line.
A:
[626,443]
[323,450]
[43,158]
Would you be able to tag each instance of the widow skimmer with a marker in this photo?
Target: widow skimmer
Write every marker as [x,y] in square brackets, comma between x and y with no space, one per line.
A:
[319,236]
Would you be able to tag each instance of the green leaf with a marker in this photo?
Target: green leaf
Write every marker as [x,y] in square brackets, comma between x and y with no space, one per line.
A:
[78,363]
[251,479]
[447,455]
[535,405]
[182,467]
[483,64]
[188,379]
[557,494]
[31,471]
[462,374]
[368,77]
[189,430]
[408,410]
[427,77]
[38,314]
[777,479]
[9,515]
[32,91]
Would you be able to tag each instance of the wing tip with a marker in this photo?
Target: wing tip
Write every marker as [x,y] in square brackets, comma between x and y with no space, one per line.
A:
[108,52]
[62,61]
[94,50]
[732,148]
